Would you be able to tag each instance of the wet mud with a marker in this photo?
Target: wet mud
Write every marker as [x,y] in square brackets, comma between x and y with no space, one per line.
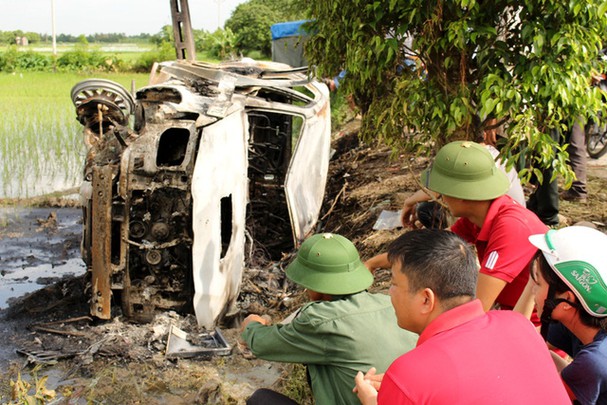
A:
[39,248]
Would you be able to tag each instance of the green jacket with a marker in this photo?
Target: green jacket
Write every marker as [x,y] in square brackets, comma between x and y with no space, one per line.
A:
[335,339]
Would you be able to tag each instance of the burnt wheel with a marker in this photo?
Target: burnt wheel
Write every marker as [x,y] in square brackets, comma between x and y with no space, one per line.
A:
[88,95]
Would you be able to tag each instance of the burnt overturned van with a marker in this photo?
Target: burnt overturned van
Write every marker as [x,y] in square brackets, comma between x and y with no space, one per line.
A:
[203,164]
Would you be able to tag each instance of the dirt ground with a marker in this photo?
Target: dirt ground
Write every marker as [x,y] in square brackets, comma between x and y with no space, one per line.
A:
[48,334]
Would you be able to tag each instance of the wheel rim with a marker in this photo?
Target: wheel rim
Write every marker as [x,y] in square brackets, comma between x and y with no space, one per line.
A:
[106,92]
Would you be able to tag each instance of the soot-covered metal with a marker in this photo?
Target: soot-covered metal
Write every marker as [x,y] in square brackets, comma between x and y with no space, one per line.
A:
[178,179]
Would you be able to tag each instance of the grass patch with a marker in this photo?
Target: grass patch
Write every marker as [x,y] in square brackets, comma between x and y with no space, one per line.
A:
[295,385]
[109,48]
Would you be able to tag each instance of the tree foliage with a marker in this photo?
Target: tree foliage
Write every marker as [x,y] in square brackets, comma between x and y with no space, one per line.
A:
[8,37]
[83,58]
[165,35]
[526,63]
[163,51]
[251,21]
[220,44]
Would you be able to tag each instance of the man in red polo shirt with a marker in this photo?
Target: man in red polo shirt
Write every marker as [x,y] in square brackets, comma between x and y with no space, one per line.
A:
[474,189]
[464,355]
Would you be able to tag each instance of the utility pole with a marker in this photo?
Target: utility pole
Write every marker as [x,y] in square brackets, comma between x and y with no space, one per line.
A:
[219,14]
[53,27]
[182,30]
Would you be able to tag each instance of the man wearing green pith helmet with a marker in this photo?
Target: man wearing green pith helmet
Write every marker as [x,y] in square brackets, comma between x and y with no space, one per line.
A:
[343,330]
[474,189]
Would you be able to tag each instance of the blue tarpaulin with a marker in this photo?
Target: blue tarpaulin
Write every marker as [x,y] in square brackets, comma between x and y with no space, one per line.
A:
[288,29]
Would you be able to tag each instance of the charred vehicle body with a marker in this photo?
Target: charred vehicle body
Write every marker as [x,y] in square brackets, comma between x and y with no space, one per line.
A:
[205,163]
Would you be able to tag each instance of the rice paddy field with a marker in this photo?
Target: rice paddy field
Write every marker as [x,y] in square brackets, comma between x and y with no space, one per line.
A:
[41,146]
[127,52]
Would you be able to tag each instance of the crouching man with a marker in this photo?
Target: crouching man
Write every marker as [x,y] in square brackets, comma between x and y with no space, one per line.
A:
[464,355]
[343,330]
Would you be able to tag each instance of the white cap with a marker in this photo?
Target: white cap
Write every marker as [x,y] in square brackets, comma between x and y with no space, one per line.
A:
[578,255]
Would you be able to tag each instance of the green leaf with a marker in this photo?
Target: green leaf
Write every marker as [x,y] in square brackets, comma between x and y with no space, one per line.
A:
[538,43]
[539,175]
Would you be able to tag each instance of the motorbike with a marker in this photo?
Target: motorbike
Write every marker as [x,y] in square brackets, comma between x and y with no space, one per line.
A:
[596,131]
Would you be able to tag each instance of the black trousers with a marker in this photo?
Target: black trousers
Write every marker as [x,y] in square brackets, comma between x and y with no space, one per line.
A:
[544,201]
[578,159]
[264,396]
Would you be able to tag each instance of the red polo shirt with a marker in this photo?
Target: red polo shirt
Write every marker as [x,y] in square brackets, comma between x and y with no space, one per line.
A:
[502,244]
[467,356]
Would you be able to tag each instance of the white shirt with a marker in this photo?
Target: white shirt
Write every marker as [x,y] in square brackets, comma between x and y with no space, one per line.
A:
[516,190]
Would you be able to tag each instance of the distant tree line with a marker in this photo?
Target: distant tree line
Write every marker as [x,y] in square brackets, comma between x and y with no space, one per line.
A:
[8,37]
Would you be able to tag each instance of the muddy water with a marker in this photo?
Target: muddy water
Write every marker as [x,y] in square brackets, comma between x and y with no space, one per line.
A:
[36,251]
[37,184]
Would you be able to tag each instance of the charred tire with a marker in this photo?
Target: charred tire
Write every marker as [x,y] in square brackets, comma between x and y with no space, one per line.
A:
[107,92]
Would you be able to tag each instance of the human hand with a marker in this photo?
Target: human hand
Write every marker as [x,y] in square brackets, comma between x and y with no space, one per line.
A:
[373,378]
[365,389]
[408,215]
[253,318]
[526,301]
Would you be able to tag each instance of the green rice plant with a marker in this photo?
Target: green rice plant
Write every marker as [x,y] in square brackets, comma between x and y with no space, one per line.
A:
[41,146]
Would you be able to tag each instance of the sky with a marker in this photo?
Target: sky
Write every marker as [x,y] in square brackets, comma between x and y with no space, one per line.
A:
[130,17]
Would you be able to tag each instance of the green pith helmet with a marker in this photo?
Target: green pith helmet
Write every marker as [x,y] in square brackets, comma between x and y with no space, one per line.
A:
[465,170]
[329,264]
[577,256]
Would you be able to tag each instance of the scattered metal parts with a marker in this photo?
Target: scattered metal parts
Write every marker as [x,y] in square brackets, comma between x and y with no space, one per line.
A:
[45,356]
[46,327]
[70,320]
[206,344]
[57,331]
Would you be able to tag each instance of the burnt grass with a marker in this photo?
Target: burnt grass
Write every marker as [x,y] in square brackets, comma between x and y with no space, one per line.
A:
[116,361]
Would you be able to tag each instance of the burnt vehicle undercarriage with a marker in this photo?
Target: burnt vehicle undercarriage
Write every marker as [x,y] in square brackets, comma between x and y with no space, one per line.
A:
[181,179]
